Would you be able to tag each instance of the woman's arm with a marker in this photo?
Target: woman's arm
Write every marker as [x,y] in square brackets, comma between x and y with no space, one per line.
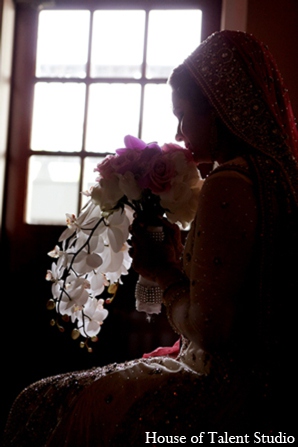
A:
[158,261]
[204,309]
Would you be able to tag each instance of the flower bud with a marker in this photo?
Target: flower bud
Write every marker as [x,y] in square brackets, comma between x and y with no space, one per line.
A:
[75,334]
[51,304]
[112,289]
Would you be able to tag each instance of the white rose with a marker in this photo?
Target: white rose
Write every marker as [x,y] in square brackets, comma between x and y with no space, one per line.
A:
[129,186]
[107,193]
[182,202]
[180,161]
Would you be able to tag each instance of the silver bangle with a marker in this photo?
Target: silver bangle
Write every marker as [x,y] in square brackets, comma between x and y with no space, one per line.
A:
[145,294]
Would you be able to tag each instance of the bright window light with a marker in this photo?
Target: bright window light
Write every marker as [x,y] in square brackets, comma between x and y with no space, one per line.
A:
[91,88]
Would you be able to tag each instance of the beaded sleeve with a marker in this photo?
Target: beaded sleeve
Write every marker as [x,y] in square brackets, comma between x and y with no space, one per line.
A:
[218,255]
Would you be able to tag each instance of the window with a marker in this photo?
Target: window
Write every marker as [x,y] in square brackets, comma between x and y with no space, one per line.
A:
[24,246]
[99,75]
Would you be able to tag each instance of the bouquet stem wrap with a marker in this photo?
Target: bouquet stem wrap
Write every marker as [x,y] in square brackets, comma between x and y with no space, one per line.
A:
[148,294]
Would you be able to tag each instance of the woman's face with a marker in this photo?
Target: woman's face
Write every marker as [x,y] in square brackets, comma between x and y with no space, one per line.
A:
[195,124]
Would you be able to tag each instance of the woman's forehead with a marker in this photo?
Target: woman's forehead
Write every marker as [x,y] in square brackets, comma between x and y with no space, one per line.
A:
[177,101]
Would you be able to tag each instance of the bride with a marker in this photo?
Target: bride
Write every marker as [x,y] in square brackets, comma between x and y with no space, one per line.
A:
[228,293]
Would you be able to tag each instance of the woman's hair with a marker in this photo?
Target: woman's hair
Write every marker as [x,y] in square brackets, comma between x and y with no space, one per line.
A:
[183,83]
[240,78]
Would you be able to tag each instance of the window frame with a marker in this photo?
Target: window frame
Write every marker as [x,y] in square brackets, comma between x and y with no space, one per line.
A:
[24,80]
[89,81]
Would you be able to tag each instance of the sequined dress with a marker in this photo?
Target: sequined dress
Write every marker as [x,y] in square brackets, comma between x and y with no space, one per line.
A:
[194,392]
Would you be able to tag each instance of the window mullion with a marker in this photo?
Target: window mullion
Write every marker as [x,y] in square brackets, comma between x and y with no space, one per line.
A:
[143,79]
[87,84]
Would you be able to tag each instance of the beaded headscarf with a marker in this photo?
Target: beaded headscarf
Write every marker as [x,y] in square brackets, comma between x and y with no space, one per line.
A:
[240,78]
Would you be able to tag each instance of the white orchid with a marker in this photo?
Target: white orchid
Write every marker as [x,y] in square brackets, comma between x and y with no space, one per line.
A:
[83,222]
[117,264]
[55,276]
[94,255]
[72,301]
[98,282]
[86,262]
[92,318]
[117,230]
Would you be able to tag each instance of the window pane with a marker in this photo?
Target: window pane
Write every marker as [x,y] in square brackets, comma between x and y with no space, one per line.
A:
[89,176]
[62,44]
[159,123]
[172,36]
[113,113]
[117,44]
[53,189]
[58,114]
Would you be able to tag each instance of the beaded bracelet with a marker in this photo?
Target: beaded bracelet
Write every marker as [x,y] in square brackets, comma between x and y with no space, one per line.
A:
[147,294]
[157,236]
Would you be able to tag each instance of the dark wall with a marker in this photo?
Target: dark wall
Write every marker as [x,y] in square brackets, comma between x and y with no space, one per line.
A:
[276,24]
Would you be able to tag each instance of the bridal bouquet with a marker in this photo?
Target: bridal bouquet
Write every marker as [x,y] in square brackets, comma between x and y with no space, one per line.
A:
[92,254]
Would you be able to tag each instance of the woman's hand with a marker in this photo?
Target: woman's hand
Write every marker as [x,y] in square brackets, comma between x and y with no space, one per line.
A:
[155,259]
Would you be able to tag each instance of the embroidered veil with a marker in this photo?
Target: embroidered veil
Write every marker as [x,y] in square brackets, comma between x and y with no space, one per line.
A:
[240,78]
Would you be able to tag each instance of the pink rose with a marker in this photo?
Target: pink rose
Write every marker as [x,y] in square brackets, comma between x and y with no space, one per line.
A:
[161,171]
[136,161]
[127,161]
[136,158]
[171,148]
[105,168]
